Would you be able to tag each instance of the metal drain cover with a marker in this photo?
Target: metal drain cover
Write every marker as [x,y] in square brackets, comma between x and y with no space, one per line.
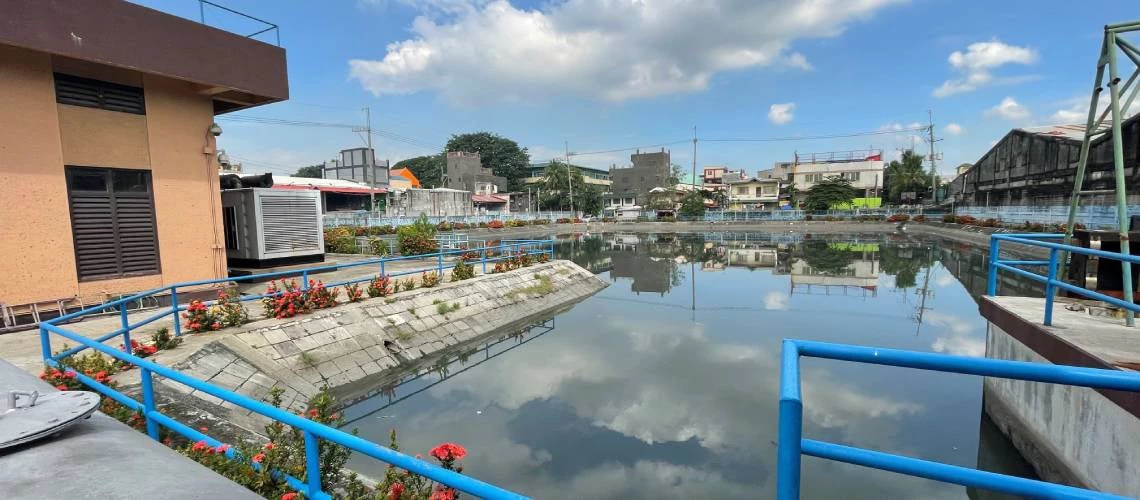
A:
[30,415]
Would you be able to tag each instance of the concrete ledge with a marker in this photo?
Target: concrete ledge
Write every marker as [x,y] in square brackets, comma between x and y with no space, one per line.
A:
[1074,435]
[349,347]
[102,458]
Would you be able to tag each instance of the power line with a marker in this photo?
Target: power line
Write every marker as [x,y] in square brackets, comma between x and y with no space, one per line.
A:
[302,123]
[812,137]
[683,141]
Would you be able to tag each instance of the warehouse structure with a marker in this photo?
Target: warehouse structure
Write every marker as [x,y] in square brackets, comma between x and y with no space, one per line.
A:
[1037,166]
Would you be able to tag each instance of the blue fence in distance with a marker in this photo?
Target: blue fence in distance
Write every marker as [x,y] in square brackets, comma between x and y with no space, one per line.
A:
[1092,216]
[792,445]
[312,431]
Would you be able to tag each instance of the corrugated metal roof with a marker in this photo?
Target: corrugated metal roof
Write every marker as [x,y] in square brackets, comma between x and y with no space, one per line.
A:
[1072,131]
[487,198]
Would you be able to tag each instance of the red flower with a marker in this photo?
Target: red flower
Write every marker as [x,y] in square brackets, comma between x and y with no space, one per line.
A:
[69,374]
[269,446]
[258,458]
[443,494]
[43,376]
[199,446]
[61,387]
[289,496]
[203,428]
[446,452]
[216,326]
[313,412]
[222,448]
[395,491]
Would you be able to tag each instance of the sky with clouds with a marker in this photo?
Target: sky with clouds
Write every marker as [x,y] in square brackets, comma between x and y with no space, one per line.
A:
[611,74]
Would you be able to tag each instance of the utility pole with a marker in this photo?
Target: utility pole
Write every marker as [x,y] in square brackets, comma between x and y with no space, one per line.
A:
[933,170]
[370,167]
[694,157]
[570,180]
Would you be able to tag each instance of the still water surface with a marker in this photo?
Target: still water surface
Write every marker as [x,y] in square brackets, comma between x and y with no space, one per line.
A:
[664,385]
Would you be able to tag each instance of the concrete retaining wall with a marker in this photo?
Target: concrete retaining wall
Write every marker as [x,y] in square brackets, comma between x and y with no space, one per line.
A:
[1071,435]
[350,343]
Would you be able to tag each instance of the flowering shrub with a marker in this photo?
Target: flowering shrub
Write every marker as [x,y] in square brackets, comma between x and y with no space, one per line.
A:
[919,218]
[377,246]
[429,279]
[564,220]
[500,267]
[444,226]
[380,286]
[417,238]
[318,296]
[399,484]
[898,218]
[100,368]
[950,218]
[543,258]
[141,350]
[342,239]
[198,317]
[495,224]
[516,223]
[284,302]
[469,256]
[989,223]
[966,219]
[462,271]
[354,292]
[228,310]
[407,284]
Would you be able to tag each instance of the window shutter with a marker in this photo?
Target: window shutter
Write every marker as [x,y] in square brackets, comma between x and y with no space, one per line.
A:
[90,93]
[112,222]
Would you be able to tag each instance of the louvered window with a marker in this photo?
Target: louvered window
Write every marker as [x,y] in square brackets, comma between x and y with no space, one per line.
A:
[112,222]
[98,94]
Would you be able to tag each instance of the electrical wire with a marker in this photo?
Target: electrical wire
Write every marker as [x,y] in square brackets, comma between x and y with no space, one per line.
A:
[302,123]
[812,137]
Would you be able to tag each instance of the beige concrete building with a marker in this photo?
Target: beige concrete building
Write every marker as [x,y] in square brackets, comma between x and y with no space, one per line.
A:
[108,174]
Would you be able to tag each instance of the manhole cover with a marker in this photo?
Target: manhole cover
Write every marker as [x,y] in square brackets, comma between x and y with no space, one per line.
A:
[29,415]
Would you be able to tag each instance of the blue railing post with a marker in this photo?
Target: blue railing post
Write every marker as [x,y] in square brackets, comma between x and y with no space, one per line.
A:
[304,280]
[382,273]
[126,328]
[439,264]
[174,307]
[484,258]
[147,382]
[45,343]
[790,426]
[1050,288]
[992,271]
[312,465]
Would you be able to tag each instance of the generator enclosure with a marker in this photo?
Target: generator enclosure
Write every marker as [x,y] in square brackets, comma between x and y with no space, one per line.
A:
[268,227]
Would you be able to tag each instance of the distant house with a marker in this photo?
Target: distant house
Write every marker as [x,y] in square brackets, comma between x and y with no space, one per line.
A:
[402,178]
[337,195]
[465,171]
[752,193]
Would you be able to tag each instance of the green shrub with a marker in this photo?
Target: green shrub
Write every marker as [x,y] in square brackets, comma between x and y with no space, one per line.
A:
[950,218]
[377,246]
[417,238]
[429,279]
[462,271]
[380,286]
[340,240]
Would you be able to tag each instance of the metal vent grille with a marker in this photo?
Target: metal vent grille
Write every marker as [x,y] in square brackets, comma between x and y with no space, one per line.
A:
[290,224]
[98,94]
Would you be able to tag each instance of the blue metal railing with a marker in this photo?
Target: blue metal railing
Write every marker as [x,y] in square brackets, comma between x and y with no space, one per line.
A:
[312,431]
[1050,279]
[792,445]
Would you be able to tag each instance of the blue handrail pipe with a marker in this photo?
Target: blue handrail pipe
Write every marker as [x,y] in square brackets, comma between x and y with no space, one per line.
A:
[312,431]
[792,445]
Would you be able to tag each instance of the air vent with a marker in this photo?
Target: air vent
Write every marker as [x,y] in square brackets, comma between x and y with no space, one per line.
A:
[90,93]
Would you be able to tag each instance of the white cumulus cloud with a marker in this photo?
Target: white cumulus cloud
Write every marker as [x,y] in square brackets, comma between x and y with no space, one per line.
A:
[954,129]
[781,113]
[1009,109]
[477,50]
[977,63]
[775,301]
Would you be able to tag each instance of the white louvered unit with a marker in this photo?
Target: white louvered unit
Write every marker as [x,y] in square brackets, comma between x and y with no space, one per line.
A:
[268,224]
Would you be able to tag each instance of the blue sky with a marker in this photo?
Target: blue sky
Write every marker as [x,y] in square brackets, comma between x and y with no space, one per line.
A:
[610,74]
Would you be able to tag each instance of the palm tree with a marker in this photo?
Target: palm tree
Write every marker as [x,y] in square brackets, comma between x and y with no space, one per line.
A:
[906,175]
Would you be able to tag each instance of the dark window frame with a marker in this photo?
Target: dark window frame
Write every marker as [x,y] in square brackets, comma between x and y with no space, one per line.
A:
[113,196]
[107,96]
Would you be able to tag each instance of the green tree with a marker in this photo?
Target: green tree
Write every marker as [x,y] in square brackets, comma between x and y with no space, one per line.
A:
[503,156]
[693,204]
[555,186]
[312,171]
[905,175]
[428,169]
[675,174]
[831,191]
[826,259]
